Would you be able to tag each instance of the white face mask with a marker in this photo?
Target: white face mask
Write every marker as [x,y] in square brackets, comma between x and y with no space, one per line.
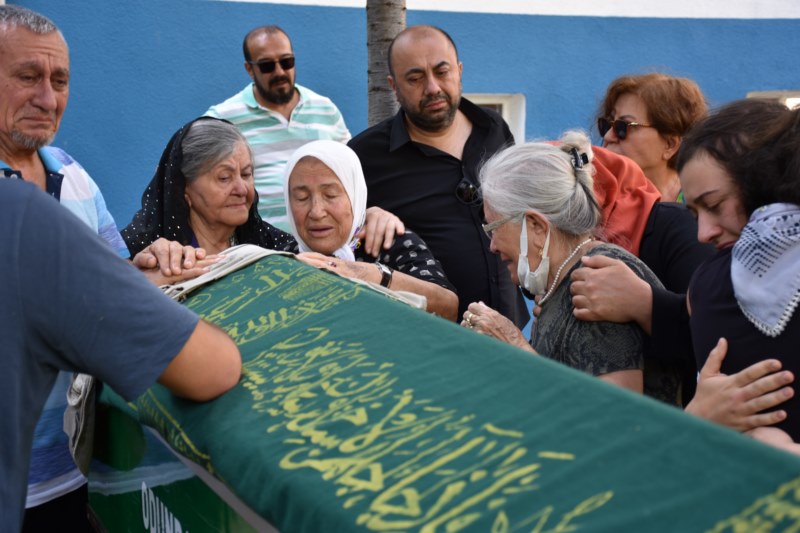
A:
[533,282]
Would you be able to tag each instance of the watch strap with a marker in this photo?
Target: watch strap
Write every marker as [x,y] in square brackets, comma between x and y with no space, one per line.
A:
[386,274]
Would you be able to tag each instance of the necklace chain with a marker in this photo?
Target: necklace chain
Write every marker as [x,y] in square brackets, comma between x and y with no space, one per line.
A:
[558,272]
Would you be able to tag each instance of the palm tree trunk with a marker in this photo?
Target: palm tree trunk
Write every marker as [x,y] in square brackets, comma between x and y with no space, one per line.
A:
[385,19]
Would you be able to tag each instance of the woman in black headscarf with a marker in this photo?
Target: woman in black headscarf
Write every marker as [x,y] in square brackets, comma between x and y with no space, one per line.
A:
[202,194]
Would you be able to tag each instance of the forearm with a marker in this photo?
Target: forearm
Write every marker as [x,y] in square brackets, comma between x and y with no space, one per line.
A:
[441,301]
[510,335]
[525,345]
[483,319]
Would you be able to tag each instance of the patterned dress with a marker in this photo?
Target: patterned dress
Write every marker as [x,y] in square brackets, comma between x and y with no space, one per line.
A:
[599,348]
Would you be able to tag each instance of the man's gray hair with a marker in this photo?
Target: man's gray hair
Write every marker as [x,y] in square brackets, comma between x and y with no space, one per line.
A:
[208,142]
[556,181]
[20,17]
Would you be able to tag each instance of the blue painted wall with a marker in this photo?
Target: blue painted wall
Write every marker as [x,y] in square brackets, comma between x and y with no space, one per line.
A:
[141,68]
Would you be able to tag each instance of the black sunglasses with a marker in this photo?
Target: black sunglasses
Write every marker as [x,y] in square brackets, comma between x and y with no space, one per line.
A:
[268,65]
[468,193]
[620,127]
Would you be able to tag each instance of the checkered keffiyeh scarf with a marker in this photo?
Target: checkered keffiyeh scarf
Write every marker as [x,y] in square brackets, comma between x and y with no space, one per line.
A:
[765,267]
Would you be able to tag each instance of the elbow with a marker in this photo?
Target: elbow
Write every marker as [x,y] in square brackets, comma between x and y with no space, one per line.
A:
[227,372]
[228,375]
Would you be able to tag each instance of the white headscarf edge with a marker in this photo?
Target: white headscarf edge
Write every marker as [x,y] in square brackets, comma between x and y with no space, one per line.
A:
[344,162]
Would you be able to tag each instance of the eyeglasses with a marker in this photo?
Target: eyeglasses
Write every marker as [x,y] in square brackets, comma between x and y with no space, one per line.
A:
[489,228]
[620,127]
[468,193]
[268,65]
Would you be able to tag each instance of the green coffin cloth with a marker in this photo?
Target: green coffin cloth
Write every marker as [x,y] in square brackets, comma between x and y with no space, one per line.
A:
[357,413]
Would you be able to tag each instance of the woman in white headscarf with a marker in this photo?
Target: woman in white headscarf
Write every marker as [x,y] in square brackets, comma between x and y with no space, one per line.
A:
[326,197]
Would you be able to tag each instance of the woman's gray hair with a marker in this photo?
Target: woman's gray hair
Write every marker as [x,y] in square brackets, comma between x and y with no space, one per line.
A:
[208,142]
[555,180]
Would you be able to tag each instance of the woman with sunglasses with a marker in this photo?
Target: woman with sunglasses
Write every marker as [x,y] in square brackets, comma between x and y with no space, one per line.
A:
[326,198]
[645,117]
[742,396]
[542,217]
[740,172]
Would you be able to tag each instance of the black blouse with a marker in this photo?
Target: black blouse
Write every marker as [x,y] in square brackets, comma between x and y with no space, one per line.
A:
[420,184]
[716,313]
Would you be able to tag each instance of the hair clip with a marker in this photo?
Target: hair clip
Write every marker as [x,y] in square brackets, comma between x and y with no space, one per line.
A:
[578,160]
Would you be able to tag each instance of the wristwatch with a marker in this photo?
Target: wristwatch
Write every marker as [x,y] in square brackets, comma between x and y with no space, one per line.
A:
[386,274]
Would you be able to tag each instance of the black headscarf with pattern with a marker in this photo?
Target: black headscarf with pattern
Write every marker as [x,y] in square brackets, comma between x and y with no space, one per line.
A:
[164,211]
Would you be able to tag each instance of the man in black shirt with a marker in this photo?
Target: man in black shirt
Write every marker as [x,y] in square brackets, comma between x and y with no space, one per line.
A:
[422,165]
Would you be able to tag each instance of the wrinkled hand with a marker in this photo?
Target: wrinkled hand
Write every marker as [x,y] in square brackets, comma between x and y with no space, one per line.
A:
[166,262]
[736,401]
[483,319]
[607,289]
[171,257]
[380,228]
[348,269]
[775,437]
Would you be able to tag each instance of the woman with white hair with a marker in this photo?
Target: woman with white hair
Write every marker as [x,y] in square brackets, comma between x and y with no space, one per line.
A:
[542,217]
[326,198]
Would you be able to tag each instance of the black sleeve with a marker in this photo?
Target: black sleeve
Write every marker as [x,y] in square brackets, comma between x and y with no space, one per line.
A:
[270,237]
[671,339]
[670,332]
[410,255]
[670,247]
[284,242]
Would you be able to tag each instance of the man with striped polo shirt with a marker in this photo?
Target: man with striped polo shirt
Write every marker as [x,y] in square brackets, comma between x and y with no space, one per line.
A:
[277,116]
